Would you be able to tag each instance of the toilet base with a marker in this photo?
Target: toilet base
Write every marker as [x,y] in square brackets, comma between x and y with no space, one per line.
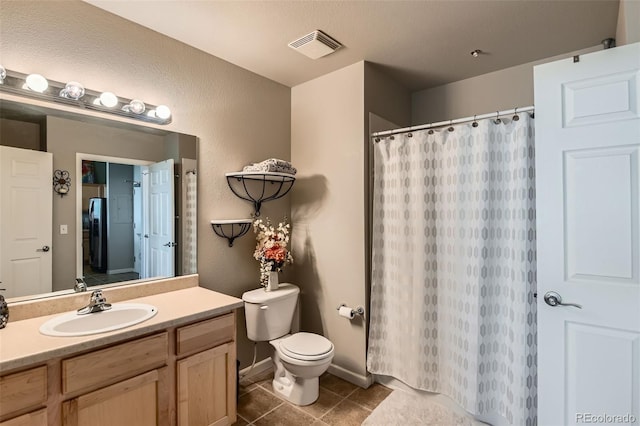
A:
[296,390]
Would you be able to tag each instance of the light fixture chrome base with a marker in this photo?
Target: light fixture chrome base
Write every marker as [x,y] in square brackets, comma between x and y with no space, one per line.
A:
[15,83]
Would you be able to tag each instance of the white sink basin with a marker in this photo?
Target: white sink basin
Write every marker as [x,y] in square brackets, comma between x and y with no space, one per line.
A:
[120,315]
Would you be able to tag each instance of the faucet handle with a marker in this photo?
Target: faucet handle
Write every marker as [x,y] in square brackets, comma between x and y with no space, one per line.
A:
[80,285]
[97,297]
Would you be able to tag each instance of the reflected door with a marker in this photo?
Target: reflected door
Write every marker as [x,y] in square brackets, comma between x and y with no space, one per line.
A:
[161,220]
[26,221]
[588,238]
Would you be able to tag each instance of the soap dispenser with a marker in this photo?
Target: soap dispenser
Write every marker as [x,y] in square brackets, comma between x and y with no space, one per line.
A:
[4,311]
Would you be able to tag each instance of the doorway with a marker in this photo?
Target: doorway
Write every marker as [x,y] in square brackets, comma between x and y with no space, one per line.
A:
[117,219]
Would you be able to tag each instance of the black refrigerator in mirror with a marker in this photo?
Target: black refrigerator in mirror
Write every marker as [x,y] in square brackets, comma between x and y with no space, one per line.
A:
[98,234]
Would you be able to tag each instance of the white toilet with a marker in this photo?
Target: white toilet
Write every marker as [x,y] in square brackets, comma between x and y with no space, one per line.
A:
[298,359]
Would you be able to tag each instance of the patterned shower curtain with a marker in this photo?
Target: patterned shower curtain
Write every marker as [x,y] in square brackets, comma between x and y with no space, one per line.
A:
[189,252]
[454,266]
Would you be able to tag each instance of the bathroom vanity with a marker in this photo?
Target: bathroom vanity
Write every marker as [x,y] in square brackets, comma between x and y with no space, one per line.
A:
[178,367]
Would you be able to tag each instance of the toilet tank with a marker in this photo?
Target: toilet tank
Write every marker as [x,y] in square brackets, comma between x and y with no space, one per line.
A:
[268,314]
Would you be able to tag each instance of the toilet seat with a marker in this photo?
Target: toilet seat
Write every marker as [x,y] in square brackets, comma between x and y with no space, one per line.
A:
[306,346]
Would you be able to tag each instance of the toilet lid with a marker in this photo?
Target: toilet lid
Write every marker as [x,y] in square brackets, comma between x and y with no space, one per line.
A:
[306,345]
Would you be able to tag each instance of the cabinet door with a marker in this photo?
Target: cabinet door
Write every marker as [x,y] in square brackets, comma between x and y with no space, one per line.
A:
[207,387]
[137,401]
[23,392]
[37,418]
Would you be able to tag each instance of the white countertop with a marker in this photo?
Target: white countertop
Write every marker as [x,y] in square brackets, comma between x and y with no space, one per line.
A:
[21,343]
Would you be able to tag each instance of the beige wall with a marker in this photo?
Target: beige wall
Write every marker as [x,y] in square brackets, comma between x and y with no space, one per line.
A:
[326,207]
[19,134]
[628,30]
[239,117]
[329,146]
[496,91]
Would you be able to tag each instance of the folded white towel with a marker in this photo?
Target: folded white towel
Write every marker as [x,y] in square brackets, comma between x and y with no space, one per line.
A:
[271,165]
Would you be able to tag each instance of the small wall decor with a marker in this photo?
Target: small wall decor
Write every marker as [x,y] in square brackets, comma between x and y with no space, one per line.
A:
[231,229]
[61,182]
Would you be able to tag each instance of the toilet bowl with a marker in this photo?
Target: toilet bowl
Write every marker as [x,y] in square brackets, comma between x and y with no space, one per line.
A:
[298,359]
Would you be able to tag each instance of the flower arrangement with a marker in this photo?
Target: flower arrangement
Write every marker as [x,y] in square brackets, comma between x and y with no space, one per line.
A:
[271,248]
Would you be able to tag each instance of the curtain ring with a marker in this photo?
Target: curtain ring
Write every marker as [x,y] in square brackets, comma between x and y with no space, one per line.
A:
[392,137]
[475,123]
[450,126]
[377,139]
[516,117]
[430,132]
[409,135]
[497,120]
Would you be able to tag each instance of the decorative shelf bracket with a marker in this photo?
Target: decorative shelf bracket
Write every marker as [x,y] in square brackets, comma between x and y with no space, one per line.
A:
[258,187]
[231,229]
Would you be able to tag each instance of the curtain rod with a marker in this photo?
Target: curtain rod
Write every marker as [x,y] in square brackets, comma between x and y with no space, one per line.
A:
[456,121]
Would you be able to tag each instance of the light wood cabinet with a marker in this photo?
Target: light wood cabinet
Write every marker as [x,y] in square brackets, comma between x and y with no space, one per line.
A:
[206,372]
[115,363]
[36,418]
[207,387]
[136,401]
[23,392]
[183,375]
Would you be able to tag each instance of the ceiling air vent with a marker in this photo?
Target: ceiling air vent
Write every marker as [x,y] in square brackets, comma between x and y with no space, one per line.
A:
[315,45]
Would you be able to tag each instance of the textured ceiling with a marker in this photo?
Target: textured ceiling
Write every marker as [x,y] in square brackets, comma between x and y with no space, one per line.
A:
[420,43]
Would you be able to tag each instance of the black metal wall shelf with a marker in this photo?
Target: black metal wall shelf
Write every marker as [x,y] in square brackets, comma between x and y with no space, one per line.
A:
[231,228]
[258,187]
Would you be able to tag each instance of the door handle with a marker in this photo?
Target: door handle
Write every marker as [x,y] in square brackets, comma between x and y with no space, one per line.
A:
[552,298]
[170,244]
[44,249]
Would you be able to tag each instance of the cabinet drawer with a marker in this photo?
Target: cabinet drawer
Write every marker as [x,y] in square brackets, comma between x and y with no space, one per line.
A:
[26,389]
[110,365]
[37,418]
[205,334]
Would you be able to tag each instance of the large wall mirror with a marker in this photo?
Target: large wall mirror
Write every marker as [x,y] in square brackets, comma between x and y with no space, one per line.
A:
[128,215]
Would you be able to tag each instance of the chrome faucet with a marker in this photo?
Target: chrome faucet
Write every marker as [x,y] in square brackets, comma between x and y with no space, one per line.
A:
[80,285]
[97,303]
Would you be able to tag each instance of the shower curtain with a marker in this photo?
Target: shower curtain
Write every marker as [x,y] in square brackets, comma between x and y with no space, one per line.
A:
[453,268]
[189,253]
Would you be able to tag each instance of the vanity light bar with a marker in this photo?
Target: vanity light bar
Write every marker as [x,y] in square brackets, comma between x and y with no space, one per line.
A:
[53,91]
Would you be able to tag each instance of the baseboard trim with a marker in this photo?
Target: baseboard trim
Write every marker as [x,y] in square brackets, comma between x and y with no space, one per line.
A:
[350,376]
[259,368]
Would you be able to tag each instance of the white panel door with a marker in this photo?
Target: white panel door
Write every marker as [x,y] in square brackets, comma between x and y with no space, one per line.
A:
[161,220]
[25,221]
[588,238]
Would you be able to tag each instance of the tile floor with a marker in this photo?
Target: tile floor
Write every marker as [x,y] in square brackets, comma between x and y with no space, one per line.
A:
[96,278]
[340,403]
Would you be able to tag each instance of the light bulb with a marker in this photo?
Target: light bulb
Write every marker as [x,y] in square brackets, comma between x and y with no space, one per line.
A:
[107,99]
[37,83]
[163,112]
[73,90]
[135,106]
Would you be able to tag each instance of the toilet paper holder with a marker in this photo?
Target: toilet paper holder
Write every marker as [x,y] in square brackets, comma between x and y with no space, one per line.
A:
[357,311]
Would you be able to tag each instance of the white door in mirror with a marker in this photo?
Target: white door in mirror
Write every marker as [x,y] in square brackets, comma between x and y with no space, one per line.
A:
[121,315]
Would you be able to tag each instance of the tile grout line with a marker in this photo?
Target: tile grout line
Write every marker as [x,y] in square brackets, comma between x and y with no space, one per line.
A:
[283,402]
[270,411]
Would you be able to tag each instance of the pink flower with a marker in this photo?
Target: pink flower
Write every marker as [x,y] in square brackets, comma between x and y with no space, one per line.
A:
[277,253]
